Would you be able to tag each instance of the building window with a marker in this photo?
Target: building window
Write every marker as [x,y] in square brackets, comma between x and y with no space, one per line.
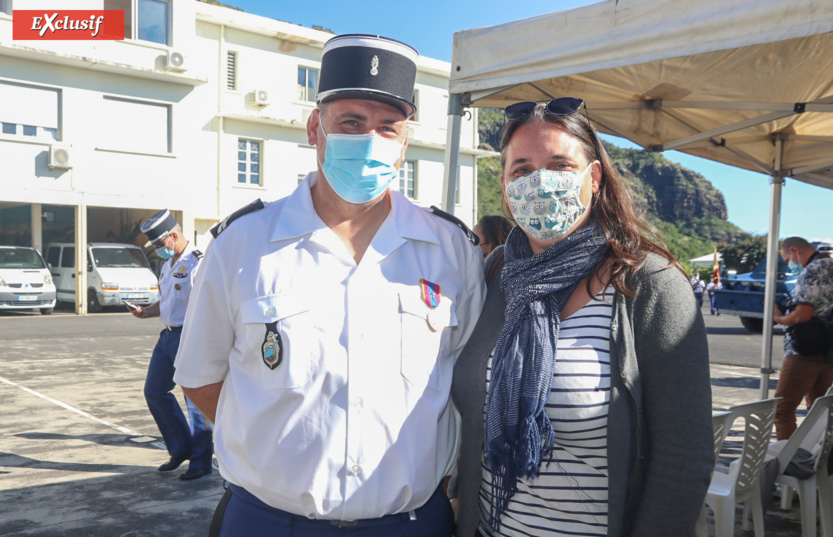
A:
[407,178]
[150,126]
[231,70]
[6,7]
[415,118]
[153,19]
[31,111]
[248,162]
[307,84]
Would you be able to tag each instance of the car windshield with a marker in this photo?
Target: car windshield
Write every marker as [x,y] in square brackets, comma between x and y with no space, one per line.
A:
[783,268]
[20,258]
[119,258]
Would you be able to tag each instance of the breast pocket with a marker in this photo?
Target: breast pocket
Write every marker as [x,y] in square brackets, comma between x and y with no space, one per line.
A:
[426,335]
[278,335]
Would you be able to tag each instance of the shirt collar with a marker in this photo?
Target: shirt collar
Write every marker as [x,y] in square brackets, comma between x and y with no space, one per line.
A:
[412,222]
[297,215]
[406,221]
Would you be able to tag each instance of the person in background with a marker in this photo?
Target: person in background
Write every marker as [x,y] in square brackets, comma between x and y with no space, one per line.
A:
[698,286]
[584,389]
[492,231]
[183,442]
[803,377]
[711,288]
[324,327]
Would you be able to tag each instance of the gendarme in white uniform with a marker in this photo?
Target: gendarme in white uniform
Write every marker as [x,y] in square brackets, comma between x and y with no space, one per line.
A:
[175,282]
[354,421]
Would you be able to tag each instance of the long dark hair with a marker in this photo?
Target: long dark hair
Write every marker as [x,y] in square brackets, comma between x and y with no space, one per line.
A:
[629,237]
[495,229]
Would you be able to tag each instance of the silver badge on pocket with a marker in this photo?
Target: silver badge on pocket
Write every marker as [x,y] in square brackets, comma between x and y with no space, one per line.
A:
[272,350]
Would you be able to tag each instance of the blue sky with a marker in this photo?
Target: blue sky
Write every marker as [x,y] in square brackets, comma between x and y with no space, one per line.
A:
[429,26]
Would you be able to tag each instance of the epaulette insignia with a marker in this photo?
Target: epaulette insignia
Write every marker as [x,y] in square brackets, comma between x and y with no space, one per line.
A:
[256,205]
[198,254]
[456,221]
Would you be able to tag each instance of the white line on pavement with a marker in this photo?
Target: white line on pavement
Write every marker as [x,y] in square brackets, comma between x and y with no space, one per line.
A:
[47,360]
[68,407]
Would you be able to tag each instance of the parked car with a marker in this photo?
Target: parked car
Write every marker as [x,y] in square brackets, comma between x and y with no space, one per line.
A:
[25,282]
[115,273]
[743,295]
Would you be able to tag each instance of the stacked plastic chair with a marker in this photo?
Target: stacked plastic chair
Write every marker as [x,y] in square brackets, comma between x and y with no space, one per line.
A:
[815,434]
[742,483]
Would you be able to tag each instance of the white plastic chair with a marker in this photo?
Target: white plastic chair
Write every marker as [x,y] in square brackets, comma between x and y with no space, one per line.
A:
[741,484]
[815,434]
[720,430]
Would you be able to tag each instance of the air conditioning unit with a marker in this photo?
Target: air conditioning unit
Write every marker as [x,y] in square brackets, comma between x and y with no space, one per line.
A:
[175,61]
[260,97]
[59,157]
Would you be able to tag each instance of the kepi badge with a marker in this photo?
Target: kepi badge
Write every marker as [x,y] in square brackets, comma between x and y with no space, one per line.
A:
[272,348]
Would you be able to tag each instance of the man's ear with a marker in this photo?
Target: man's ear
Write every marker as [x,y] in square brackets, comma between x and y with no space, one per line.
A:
[312,126]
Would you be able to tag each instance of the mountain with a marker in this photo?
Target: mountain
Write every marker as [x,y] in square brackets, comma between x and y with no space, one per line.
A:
[684,206]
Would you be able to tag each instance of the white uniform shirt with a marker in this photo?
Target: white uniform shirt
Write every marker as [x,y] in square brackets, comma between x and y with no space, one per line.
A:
[175,282]
[355,421]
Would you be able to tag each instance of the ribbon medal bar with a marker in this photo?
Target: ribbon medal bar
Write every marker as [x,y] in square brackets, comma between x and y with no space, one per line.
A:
[431,295]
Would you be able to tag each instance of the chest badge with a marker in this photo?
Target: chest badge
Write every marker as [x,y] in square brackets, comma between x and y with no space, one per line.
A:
[177,287]
[272,349]
[431,295]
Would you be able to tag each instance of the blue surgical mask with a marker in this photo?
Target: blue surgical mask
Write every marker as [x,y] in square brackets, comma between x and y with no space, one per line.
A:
[165,252]
[546,204]
[360,167]
[795,268]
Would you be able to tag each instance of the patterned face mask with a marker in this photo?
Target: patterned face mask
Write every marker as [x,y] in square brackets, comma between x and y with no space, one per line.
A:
[546,204]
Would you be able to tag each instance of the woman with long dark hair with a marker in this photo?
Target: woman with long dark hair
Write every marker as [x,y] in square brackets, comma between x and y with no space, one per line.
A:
[584,389]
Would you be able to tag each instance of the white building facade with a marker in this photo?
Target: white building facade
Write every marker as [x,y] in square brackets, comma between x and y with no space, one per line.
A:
[201,109]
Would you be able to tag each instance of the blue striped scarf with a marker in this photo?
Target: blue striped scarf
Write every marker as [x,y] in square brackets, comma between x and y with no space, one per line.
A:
[536,287]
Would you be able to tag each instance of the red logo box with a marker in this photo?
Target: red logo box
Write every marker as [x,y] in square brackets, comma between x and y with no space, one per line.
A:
[68,24]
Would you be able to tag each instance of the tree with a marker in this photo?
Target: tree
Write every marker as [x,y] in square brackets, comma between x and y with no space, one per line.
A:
[745,255]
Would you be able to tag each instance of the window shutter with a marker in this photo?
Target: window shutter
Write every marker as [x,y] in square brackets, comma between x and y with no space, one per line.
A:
[231,71]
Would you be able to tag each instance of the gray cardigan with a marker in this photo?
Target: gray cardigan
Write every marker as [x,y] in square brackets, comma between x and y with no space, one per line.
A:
[659,436]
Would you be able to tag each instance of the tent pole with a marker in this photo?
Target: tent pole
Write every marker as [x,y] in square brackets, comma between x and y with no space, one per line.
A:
[451,160]
[772,253]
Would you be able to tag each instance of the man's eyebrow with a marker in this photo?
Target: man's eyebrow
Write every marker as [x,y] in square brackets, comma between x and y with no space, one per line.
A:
[350,115]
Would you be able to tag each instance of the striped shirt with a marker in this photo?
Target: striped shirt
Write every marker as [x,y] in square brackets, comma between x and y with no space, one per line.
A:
[569,496]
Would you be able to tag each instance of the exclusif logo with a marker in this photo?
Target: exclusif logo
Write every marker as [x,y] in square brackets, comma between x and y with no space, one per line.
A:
[72,24]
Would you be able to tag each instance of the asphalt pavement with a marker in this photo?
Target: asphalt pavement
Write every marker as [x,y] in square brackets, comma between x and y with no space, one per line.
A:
[79,449]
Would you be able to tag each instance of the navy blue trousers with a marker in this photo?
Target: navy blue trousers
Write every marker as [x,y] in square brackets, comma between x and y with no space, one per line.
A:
[244,514]
[182,440]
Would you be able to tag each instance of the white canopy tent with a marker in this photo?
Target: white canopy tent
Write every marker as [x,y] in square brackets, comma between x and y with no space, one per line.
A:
[748,83]
[705,260]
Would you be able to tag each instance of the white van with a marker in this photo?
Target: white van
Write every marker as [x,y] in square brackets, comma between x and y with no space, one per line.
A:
[25,282]
[115,273]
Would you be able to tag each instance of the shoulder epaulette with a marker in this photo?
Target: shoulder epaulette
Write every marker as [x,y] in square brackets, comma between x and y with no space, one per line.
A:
[436,211]
[196,253]
[256,205]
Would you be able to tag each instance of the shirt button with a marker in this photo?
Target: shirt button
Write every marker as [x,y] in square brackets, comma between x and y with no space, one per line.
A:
[270,312]
[356,469]
[358,401]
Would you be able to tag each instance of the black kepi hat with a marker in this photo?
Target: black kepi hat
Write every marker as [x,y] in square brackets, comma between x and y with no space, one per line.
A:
[158,226]
[360,66]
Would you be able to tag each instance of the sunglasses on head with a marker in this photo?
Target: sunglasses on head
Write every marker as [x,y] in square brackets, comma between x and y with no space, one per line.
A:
[563,106]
